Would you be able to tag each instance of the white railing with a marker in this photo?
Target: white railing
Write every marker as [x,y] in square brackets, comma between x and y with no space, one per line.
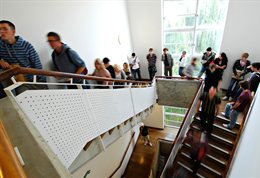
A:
[67,119]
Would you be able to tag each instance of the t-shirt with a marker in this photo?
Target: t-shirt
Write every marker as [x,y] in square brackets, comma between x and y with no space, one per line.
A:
[209,105]
[244,100]
[144,131]
[111,71]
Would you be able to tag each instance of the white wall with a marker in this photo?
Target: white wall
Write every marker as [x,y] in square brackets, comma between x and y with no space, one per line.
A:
[155,119]
[145,21]
[241,34]
[106,163]
[92,28]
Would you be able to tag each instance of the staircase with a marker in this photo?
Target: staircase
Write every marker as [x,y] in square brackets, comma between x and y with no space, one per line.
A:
[220,146]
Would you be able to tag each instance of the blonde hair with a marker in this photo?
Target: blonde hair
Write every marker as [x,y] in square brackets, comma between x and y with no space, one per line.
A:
[97,60]
[117,68]
[126,67]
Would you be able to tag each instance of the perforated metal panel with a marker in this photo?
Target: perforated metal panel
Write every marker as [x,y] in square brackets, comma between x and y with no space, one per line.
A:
[143,98]
[68,119]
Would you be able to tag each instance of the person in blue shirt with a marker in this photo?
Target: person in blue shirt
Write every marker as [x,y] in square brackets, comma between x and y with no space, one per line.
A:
[64,58]
[14,51]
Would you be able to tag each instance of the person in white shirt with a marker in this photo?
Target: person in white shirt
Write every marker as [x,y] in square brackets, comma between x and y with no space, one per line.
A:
[182,63]
[134,63]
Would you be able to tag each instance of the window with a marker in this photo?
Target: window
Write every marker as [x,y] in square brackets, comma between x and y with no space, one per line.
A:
[193,25]
[174,116]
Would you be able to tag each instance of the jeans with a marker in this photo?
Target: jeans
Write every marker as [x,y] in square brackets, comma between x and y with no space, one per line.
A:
[181,71]
[234,84]
[232,114]
[202,70]
[152,70]
[136,72]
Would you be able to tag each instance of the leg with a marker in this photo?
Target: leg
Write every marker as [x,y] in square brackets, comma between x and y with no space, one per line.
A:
[180,71]
[134,74]
[202,70]
[229,91]
[227,110]
[238,93]
[170,71]
[165,71]
[210,123]
[139,73]
[233,118]
[150,72]
[203,121]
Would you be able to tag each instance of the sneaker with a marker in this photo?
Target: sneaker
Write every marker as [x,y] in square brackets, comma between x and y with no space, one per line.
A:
[145,144]
[226,126]
[225,98]
[150,144]
[230,99]
[223,114]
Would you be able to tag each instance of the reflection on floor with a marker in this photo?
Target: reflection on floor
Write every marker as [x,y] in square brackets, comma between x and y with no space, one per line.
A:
[141,160]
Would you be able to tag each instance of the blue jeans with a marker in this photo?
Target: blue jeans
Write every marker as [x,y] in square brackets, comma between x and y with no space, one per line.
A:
[136,74]
[232,114]
[234,84]
[181,71]
[202,70]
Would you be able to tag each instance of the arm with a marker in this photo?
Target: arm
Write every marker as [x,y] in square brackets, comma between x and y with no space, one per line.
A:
[34,58]
[80,70]
[217,109]
[235,105]
[234,68]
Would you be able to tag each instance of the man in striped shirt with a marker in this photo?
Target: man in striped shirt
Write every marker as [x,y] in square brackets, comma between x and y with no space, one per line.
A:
[16,51]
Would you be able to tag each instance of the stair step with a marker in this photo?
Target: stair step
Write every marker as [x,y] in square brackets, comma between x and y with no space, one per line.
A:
[189,171]
[203,170]
[219,130]
[208,160]
[217,140]
[225,120]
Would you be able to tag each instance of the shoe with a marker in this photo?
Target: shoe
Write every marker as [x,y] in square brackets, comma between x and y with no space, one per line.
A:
[230,99]
[226,126]
[224,114]
[145,144]
[150,144]
[225,98]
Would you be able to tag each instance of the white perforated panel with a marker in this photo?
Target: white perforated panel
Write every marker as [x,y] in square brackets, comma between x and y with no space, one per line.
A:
[143,98]
[62,118]
[68,119]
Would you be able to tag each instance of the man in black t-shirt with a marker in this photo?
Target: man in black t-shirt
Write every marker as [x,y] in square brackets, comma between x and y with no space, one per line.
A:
[210,103]
[145,134]
[109,67]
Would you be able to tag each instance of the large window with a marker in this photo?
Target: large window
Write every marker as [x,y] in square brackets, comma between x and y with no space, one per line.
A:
[193,25]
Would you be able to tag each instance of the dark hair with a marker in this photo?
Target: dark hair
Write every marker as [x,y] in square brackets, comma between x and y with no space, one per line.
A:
[244,84]
[9,23]
[224,56]
[165,49]
[194,59]
[106,60]
[256,65]
[209,49]
[151,49]
[55,35]
[212,66]
[133,54]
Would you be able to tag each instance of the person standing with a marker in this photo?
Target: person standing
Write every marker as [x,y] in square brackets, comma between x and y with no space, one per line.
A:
[14,51]
[182,63]
[168,62]
[64,58]
[189,70]
[109,67]
[145,134]
[239,71]
[233,109]
[151,59]
[135,66]
[210,103]
[207,58]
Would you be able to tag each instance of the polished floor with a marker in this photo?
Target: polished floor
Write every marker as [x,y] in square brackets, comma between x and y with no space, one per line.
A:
[141,160]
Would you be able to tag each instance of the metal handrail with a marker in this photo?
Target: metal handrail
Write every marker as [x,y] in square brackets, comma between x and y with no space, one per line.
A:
[7,74]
